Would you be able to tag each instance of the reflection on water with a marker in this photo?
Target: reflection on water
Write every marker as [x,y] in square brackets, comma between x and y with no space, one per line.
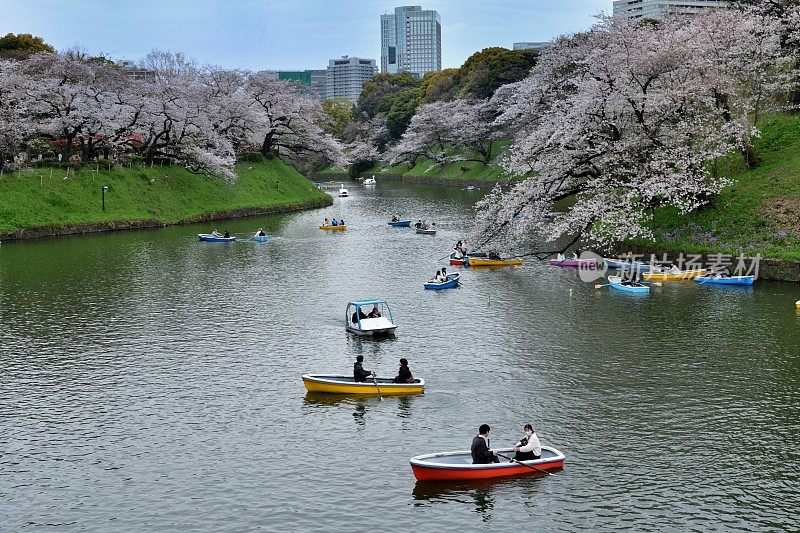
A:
[480,494]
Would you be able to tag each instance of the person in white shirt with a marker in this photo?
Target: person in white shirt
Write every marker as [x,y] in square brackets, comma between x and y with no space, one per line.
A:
[560,257]
[674,270]
[528,447]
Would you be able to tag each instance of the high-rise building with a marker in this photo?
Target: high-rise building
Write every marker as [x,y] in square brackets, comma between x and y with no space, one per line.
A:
[318,80]
[657,9]
[346,76]
[528,46]
[411,41]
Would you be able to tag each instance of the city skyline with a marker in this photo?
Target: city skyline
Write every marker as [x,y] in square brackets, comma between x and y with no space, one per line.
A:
[283,35]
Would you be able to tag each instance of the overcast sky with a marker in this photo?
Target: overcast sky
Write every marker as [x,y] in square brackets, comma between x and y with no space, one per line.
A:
[281,34]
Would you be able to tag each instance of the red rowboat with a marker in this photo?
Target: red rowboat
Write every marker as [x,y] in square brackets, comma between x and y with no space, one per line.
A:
[457,466]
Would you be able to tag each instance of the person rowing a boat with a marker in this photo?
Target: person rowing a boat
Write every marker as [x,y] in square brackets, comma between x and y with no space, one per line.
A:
[418,224]
[334,222]
[261,232]
[215,233]
[404,373]
[459,253]
[481,453]
[359,374]
[528,447]
[394,218]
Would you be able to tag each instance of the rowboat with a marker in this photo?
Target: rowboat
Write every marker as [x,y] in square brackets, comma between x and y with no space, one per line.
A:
[627,265]
[460,260]
[457,466]
[333,228]
[347,385]
[208,237]
[485,261]
[259,238]
[423,231]
[451,283]
[356,321]
[616,283]
[670,276]
[574,263]
[731,280]
[343,192]
[400,223]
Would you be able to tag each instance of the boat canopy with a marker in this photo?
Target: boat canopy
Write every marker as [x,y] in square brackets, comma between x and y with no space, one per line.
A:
[367,302]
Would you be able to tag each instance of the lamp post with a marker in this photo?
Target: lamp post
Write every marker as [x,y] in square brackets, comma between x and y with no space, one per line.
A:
[103,190]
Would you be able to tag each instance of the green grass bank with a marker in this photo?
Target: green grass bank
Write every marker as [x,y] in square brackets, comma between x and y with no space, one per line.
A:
[758,214]
[42,202]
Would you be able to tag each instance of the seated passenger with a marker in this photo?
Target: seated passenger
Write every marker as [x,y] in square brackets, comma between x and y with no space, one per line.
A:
[341,222]
[326,222]
[215,233]
[561,257]
[261,232]
[394,218]
[374,313]
[227,235]
[528,447]
[404,373]
[334,222]
[674,269]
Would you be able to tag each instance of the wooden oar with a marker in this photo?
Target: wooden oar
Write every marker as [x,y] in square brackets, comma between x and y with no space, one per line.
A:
[375,381]
[524,464]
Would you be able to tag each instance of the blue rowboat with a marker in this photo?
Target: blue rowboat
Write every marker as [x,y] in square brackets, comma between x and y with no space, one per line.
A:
[626,265]
[451,283]
[208,237]
[401,224]
[731,280]
[616,283]
[260,238]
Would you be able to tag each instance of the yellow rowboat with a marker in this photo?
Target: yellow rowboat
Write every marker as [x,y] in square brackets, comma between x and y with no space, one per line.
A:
[334,228]
[485,261]
[669,276]
[798,304]
[347,385]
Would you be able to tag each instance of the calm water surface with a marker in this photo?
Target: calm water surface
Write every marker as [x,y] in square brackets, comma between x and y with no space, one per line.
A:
[150,382]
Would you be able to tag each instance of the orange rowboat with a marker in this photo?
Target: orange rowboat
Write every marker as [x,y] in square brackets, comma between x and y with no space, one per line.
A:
[457,466]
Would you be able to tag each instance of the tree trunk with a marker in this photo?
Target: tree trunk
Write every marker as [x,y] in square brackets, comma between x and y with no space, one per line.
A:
[749,155]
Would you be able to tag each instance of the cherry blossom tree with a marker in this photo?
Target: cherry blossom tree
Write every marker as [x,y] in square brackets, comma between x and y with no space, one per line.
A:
[14,123]
[626,118]
[288,122]
[459,130]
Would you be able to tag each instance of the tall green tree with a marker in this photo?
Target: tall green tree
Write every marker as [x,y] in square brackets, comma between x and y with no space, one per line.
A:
[22,45]
[377,94]
[340,112]
[485,71]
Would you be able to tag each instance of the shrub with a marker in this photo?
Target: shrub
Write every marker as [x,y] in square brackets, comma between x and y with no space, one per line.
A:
[251,157]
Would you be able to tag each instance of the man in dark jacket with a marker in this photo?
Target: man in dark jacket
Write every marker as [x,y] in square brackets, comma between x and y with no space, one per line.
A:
[359,374]
[481,453]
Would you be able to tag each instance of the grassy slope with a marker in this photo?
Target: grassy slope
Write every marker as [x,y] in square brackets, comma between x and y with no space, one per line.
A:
[174,194]
[468,171]
[758,214]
